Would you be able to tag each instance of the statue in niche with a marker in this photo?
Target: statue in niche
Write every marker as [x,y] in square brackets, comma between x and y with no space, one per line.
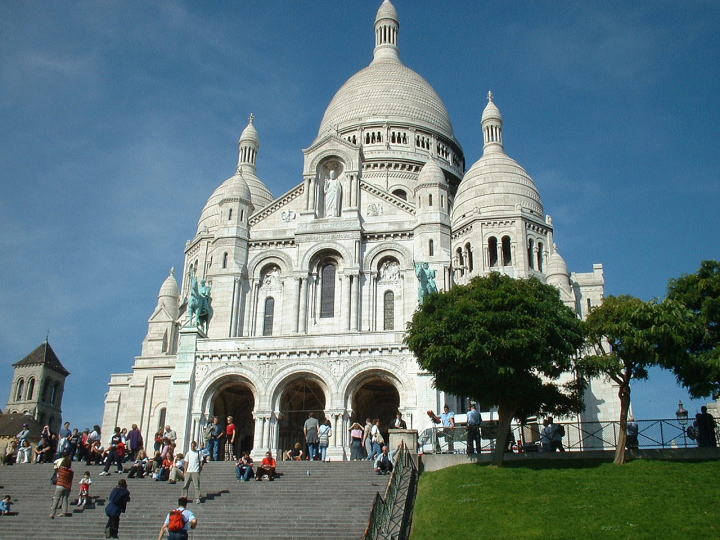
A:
[389,271]
[426,280]
[272,277]
[333,191]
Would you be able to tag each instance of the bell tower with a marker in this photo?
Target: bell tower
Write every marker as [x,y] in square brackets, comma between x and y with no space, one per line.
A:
[37,386]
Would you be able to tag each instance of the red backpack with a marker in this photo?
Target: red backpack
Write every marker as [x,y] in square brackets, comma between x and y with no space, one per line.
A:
[176,522]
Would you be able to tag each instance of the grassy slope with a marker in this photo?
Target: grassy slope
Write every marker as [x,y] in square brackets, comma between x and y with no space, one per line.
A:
[570,500]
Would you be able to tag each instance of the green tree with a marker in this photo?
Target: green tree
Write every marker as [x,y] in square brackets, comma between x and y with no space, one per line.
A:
[700,292]
[503,341]
[626,336]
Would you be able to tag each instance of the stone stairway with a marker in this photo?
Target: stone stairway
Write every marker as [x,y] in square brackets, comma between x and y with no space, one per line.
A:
[333,501]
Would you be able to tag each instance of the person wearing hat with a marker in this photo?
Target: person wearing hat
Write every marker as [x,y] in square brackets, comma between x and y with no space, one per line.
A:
[473,430]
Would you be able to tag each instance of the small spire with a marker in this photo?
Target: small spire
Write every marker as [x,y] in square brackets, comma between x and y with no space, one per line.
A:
[172,271]
[490,96]
[387,30]
[251,118]
[492,126]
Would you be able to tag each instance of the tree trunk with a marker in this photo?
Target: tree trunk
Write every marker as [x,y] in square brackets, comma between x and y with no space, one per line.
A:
[624,395]
[505,414]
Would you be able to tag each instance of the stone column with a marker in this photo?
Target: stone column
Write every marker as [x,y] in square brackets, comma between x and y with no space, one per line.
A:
[303,306]
[354,302]
[292,294]
[306,187]
[347,292]
[312,190]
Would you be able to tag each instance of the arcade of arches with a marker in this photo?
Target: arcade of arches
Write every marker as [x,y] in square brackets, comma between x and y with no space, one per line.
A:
[374,396]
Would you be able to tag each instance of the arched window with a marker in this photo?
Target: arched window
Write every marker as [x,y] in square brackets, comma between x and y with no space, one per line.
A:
[31,388]
[400,194]
[165,342]
[460,259]
[327,291]
[531,261]
[506,252]
[20,388]
[161,419]
[492,251]
[55,394]
[540,257]
[229,214]
[431,248]
[225,257]
[389,311]
[268,316]
[430,199]
[45,388]
[469,257]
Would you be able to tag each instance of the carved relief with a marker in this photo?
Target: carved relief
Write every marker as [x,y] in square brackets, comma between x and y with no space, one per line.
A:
[288,215]
[374,209]
[338,367]
[390,271]
[267,369]
[271,279]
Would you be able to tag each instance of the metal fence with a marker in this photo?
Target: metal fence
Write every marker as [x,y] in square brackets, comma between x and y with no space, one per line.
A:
[385,514]
[660,433]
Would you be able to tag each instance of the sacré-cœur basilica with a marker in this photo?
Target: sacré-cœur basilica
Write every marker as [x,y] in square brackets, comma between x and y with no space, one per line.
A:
[310,290]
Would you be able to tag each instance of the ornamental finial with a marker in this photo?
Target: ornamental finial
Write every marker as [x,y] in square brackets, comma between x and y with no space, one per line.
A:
[251,118]
[490,95]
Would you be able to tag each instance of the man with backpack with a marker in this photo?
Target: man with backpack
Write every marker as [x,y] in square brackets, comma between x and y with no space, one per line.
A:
[178,522]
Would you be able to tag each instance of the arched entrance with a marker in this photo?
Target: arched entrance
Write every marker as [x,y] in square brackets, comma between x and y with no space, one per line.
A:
[376,397]
[299,398]
[235,398]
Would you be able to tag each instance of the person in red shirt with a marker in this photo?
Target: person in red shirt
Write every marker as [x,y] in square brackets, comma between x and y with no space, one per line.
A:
[230,433]
[267,467]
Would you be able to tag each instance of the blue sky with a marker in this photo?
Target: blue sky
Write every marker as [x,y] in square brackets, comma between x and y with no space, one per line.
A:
[121,117]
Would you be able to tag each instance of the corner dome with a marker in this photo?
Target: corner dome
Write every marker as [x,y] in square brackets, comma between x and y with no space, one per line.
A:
[260,195]
[431,172]
[496,185]
[233,187]
[170,286]
[556,265]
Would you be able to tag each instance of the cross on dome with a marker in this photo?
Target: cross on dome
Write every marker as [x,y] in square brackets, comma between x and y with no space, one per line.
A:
[251,118]
[490,95]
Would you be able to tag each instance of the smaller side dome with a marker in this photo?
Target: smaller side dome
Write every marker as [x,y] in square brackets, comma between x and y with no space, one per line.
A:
[556,265]
[170,287]
[236,187]
[431,172]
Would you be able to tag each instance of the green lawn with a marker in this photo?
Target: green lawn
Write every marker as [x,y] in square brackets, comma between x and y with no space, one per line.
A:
[570,500]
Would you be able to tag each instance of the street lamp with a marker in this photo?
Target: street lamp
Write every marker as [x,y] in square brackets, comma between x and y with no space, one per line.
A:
[682,417]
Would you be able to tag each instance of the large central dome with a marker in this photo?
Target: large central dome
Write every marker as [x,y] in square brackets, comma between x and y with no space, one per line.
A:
[387,90]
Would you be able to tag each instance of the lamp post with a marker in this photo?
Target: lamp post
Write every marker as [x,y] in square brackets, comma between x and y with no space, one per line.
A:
[682,417]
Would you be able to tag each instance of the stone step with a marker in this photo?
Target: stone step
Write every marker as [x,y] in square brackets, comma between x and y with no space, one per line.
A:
[340,496]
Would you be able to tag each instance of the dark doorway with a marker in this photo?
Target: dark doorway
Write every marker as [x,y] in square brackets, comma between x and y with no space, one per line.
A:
[300,397]
[237,400]
[376,398]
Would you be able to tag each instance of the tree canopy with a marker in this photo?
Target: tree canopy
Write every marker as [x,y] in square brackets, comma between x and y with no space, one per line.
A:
[626,336]
[700,292]
[502,341]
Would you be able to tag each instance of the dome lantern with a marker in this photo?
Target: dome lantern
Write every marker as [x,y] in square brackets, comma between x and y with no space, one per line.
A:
[492,127]
[249,144]
[387,27]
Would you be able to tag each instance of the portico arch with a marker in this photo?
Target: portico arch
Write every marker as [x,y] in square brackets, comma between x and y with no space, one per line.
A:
[297,396]
[234,395]
[374,393]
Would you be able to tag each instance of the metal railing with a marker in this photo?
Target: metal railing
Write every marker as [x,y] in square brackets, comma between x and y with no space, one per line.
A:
[652,434]
[385,516]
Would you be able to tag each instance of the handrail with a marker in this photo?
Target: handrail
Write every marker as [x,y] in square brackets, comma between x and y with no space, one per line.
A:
[586,435]
[383,509]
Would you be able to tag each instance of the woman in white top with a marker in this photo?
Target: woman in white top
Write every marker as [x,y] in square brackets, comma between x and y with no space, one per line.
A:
[324,438]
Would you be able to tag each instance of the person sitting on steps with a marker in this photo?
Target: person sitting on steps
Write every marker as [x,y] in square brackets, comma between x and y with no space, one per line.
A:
[295,454]
[267,467]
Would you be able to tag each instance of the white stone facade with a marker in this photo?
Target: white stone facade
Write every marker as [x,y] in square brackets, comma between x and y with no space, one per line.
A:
[311,290]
